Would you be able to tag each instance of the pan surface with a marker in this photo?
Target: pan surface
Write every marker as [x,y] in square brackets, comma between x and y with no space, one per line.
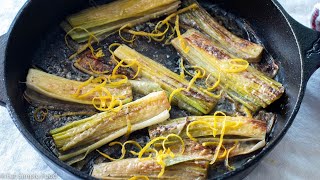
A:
[41,43]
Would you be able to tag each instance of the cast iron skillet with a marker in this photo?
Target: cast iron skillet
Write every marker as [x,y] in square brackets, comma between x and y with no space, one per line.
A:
[296,49]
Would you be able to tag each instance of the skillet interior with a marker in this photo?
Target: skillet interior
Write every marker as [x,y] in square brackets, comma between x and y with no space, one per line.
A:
[35,29]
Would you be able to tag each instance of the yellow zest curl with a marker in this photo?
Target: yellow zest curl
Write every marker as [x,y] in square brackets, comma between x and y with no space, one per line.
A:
[193,123]
[139,178]
[184,47]
[217,150]
[40,114]
[173,93]
[124,39]
[215,85]
[226,161]
[123,149]
[236,66]
[192,6]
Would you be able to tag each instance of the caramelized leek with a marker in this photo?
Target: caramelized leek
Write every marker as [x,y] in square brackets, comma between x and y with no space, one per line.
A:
[238,47]
[103,20]
[249,86]
[39,100]
[95,67]
[124,169]
[235,126]
[64,89]
[195,100]
[246,134]
[76,139]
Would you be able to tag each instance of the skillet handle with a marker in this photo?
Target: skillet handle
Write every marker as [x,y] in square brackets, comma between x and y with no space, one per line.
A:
[309,42]
[3,95]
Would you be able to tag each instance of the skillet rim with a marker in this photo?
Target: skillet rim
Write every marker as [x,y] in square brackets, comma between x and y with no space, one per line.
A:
[53,160]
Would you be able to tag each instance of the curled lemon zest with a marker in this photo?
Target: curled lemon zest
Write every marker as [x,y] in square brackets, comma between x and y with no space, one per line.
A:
[223,128]
[113,45]
[168,18]
[123,149]
[40,114]
[85,83]
[181,68]
[123,38]
[163,153]
[198,75]
[173,93]
[99,52]
[147,146]
[180,139]
[133,62]
[226,160]
[215,85]
[184,47]
[154,33]
[198,122]
[73,29]
[236,66]
[92,70]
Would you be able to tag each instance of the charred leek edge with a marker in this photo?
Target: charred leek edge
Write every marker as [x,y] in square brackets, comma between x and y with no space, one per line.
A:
[39,100]
[127,168]
[196,98]
[95,131]
[143,87]
[204,148]
[237,126]
[110,17]
[64,89]
[239,47]
[250,87]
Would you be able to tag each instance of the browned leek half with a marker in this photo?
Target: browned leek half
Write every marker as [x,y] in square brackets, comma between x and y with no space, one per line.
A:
[126,168]
[246,134]
[74,140]
[105,19]
[95,67]
[249,87]
[238,47]
[40,100]
[64,89]
[195,100]
[235,126]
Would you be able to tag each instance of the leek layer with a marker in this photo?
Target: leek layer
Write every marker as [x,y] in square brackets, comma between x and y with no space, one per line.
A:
[88,134]
[64,89]
[238,47]
[124,169]
[250,87]
[195,100]
[105,19]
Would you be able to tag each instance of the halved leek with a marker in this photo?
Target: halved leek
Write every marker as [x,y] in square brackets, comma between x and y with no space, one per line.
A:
[245,134]
[95,67]
[76,139]
[126,168]
[102,20]
[235,126]
[248,86]
[203,21]
[195,100]
[64,89]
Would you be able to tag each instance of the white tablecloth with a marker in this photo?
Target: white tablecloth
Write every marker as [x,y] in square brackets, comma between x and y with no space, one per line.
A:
[296,157]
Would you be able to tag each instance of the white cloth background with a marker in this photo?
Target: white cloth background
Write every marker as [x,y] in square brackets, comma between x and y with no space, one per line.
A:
[296,157]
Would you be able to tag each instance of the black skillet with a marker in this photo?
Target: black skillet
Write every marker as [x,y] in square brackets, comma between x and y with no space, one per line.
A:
[295,48]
